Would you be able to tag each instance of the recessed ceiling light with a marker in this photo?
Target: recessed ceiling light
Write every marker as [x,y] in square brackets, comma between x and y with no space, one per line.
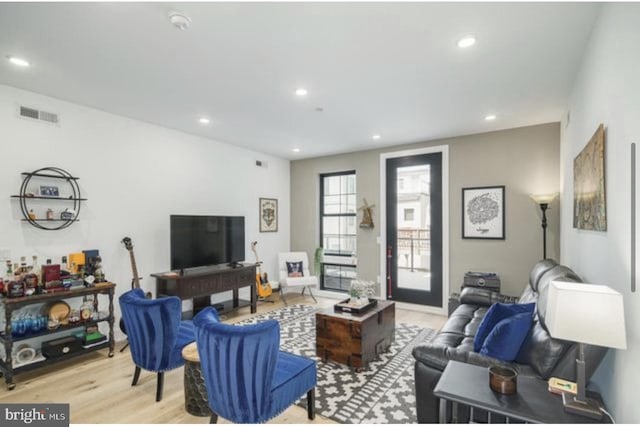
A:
[466,41]
[301,91]
[18,61]
[490,117]
[204,120]
[296,150]
[376,136]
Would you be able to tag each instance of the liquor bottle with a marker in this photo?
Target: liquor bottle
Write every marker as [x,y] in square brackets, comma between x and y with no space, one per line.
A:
[37,272]
[35,266]
[23,265]
[8,277]
[9,272]
[15,288]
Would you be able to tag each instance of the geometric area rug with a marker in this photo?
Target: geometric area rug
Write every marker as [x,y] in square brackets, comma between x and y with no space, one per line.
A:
[383,393]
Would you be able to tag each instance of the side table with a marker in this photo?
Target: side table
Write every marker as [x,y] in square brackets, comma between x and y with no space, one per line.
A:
[462,383]
[196,400]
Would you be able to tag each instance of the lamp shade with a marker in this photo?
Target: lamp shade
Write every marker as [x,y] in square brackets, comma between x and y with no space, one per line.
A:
[543,198]
[586,313]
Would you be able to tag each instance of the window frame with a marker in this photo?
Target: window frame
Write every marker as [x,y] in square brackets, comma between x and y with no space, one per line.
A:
[322,209]
[342,279]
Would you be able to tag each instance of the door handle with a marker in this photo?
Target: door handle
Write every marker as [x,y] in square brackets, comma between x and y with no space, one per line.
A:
[389,258]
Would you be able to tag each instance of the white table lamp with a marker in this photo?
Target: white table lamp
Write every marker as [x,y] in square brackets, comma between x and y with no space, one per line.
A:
[586,314]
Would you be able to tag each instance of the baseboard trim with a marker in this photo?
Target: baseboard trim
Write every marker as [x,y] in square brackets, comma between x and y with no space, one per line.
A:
[422,308]
[330,294]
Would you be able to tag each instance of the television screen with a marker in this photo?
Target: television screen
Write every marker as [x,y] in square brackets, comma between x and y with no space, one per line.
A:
[206,240]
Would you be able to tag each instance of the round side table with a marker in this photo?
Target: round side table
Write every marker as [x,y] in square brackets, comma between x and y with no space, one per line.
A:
[196,401]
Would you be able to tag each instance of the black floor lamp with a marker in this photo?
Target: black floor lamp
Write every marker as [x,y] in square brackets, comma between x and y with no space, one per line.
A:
[543,201]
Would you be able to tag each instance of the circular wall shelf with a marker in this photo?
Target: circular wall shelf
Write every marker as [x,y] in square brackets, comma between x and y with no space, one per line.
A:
[26,198]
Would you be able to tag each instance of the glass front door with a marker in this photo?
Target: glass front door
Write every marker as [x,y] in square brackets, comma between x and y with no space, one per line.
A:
[414,229]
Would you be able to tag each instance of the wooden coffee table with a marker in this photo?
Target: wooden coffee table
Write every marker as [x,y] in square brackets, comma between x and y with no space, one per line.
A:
[352,339]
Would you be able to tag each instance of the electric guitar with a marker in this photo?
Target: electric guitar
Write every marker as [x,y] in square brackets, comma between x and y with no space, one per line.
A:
[262,282]
[135,281]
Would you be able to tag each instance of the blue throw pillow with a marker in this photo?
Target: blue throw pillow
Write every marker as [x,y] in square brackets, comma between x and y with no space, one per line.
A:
[495,314]
[506,338]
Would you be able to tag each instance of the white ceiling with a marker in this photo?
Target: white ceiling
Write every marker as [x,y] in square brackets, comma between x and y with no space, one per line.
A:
[391,69]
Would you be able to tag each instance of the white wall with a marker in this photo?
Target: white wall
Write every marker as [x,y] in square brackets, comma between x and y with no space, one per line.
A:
[607,90]
[135,175]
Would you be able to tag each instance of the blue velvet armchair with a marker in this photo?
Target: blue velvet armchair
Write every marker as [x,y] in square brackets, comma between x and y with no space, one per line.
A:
[156,334]
[248,379]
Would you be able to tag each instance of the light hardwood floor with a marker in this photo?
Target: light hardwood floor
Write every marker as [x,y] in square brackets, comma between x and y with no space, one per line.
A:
[99,388]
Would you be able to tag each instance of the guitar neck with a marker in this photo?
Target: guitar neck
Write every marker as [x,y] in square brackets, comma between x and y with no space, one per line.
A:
[134,268]
[258,262]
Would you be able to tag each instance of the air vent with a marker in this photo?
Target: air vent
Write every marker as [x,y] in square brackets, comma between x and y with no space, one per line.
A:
[32,113]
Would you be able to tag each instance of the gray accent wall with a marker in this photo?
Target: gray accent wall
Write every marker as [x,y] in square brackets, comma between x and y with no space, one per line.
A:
[526,160]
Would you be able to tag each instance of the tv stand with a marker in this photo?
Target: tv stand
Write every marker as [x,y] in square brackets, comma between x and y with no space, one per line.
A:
[201,284]
[235,264]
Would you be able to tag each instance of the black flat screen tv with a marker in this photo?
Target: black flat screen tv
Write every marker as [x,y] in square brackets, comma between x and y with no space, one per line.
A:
[198,241]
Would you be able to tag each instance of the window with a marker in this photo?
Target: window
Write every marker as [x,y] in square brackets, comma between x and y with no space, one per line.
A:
[338,228]
[409,214]
[337,277]
[338,213]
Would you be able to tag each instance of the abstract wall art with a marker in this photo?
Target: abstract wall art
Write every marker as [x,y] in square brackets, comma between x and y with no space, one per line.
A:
[483,212]
[589,201]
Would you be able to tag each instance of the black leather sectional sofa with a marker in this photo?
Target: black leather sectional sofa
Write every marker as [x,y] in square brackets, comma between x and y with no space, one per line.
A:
[540,356]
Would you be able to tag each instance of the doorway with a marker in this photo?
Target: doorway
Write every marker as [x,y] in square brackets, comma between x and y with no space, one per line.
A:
[415,201]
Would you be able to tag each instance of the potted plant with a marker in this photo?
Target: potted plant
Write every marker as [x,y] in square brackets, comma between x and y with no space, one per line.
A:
[317,260]
[361,290]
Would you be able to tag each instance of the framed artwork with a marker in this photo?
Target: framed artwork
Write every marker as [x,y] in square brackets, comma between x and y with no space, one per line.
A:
[589,202]
[483,213]
[268,215]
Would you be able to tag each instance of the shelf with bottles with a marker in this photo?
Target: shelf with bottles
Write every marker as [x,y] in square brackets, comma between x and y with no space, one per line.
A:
[76,272]
[28,314]
[26,328]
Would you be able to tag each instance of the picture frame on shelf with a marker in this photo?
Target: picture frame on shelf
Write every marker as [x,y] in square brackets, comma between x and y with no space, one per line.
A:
[49,191]
[483,213]
[268,213]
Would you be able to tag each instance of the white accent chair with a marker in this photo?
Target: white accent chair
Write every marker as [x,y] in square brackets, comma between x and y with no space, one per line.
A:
[307,281]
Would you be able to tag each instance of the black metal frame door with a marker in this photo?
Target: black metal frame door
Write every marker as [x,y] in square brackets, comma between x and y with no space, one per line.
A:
[433,296]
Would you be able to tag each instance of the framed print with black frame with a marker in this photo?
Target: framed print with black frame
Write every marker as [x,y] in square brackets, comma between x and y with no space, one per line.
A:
[483,212]
[268,213]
